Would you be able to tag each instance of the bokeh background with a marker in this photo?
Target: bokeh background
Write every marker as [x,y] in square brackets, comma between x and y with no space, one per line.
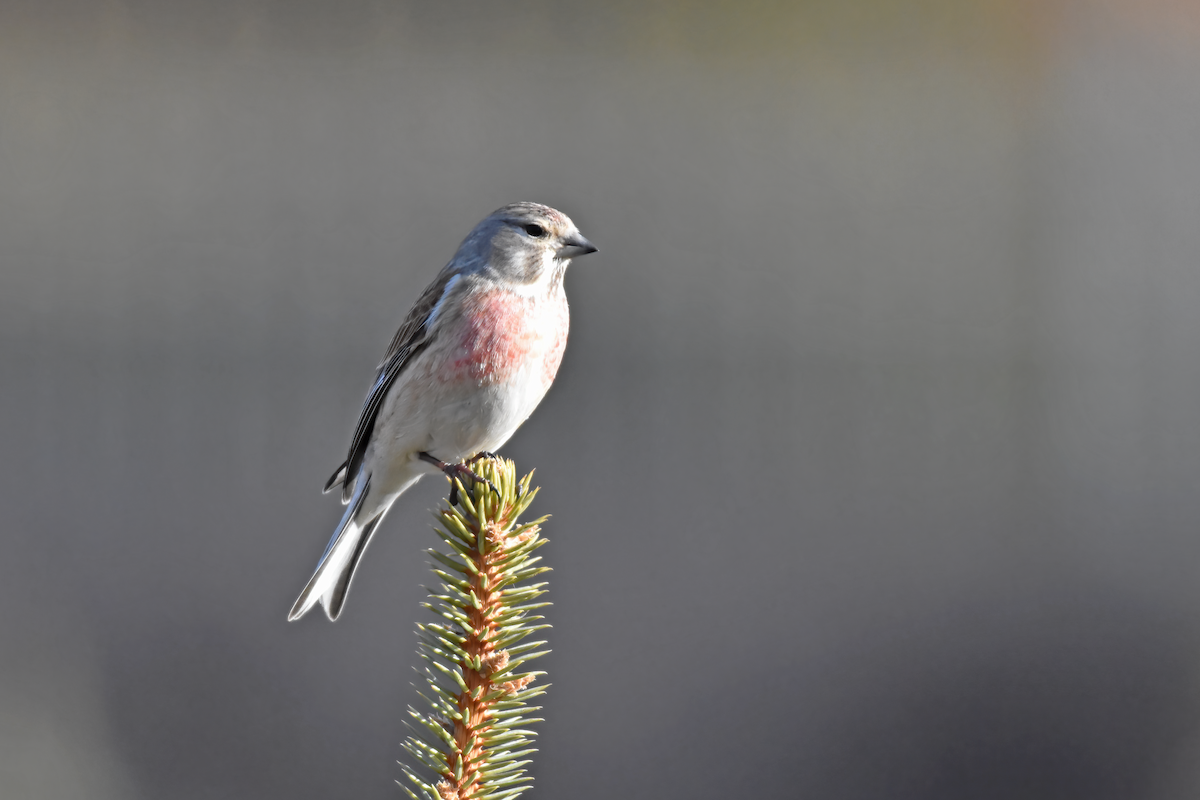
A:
[874,460]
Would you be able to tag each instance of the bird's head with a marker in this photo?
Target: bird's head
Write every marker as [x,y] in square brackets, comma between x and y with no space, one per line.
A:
[527,242]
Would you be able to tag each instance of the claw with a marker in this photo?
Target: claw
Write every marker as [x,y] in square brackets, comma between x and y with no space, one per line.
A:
[459,471]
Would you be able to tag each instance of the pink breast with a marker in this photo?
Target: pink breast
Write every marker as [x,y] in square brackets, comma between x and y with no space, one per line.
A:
[504,333]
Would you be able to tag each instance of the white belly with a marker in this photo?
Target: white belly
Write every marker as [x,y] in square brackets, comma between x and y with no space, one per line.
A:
[451,421]
[482,418]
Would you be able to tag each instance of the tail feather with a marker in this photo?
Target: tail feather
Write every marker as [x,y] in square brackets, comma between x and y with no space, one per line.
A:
[331,580]
[337,478]
[335,598]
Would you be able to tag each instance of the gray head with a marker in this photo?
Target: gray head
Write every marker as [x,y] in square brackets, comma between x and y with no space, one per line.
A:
[525,242]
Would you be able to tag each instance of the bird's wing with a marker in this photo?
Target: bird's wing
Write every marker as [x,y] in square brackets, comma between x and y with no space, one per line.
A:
[413,337]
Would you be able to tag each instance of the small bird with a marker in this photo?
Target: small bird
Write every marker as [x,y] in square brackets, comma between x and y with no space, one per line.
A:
[475,356]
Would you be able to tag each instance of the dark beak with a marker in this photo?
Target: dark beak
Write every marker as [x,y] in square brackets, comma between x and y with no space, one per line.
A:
[574,246]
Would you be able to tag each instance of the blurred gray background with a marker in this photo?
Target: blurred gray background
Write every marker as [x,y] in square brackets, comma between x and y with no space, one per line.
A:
[874,458]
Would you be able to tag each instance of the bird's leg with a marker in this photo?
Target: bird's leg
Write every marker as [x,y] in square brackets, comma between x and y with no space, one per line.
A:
[459,471]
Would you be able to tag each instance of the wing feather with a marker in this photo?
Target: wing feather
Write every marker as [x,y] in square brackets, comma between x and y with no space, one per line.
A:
[412,337]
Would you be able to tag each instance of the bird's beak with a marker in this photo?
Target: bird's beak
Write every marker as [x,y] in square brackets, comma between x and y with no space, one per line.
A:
[573,246]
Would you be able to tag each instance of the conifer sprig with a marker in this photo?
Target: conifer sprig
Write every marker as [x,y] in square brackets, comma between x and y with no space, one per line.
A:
[473,739]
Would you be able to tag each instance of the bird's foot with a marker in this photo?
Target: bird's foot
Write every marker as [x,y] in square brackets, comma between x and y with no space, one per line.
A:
[482,454]
[488,454]
[460,471]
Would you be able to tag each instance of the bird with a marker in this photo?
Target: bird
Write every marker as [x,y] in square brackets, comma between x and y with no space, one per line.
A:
[476,354]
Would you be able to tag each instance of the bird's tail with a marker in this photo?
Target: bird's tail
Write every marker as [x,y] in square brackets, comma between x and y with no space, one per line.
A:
[335,570]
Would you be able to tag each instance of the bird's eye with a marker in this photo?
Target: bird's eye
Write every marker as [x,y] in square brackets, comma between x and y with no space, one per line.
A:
[534,230]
